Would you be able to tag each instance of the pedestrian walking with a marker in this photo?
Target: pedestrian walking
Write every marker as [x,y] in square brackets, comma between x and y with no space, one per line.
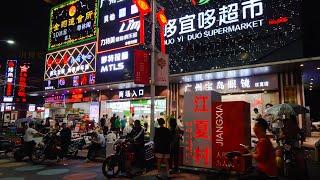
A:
[65,135]
[117,125]
[123,123]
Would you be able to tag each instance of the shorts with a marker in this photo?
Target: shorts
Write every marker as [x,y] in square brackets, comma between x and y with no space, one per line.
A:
[162,156]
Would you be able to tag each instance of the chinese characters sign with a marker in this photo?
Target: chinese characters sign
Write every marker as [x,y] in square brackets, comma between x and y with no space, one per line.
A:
[69,62]
[10,81]
[230,33]
[119,25]
[131,93]
[72,21]
[115,66]
[72,81]
[267,82]
[226,19]
[198,128]
[22,83]
[141,67]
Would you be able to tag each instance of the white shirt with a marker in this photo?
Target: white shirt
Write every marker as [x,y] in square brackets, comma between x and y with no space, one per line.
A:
[111,137]
[127,130]
[101,140]
[29,134]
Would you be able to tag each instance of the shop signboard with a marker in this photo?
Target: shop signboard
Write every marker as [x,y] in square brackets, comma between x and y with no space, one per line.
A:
[131,93]
[115,66]
[226,33]
[234,85]
[198,125]
[141,67]
[70,62]
[10,78]
[119,25]
[72,22]
[72,81]
[162,70]
[230,128]
[22,83]
[54,99]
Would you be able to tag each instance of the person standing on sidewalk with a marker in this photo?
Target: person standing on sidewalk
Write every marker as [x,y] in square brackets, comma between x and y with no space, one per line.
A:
[162,146]
[65,135]
[175,136]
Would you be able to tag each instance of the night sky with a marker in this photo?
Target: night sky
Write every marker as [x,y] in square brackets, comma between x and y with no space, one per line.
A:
[26,22]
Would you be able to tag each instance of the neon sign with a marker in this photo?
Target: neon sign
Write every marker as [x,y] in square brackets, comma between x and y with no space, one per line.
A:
[10,81]
[115,66]
[69,62]
[199,2]
[22,83]
[119,25]
[71,22]
[131,93]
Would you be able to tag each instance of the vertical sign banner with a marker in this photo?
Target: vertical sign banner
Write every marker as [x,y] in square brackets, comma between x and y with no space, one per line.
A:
[162,69]
[22,83]
[72,21]
[198,122]
[10,81]
[231,127]
[141,67]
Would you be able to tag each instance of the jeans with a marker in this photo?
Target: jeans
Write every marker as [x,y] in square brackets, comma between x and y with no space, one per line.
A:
[139,155]
[174,158]
[29,147]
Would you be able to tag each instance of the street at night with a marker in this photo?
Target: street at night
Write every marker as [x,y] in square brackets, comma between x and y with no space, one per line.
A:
[159,89]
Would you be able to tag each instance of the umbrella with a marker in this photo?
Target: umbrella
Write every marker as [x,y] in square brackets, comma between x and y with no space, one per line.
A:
[24,120]
[286,110]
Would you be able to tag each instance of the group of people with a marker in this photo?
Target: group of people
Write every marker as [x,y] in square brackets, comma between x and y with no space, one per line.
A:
[167,145]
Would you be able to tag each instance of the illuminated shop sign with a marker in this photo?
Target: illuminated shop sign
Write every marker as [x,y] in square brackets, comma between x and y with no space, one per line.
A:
[22,83]
[268,82]
[119,25]
[131,93]
[54,99]
[73,81]
[115,66]
[200,2]
[70,62]
[230,33]
[72,21]
[10,81]
[213,22]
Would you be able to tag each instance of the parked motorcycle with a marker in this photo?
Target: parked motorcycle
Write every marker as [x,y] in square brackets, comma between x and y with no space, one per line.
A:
[120,163]
[6,145]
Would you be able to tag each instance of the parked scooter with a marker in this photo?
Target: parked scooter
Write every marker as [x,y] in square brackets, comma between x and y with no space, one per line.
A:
[120,164]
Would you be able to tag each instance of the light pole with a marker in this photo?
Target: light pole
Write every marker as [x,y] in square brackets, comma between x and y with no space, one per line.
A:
[153,55]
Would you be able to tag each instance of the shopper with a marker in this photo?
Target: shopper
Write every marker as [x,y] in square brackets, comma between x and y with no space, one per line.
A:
[162,146]
[103,121]
[127,130]
[117,125]
[123,122]
[257,114]
[132,119]
[175,136]
[65,135]
[264,154]
[112,122]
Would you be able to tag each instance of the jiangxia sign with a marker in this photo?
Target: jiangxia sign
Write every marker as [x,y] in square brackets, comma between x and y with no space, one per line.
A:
[70,62]
[212,22]
[10,81]
[71,22]
[119,25]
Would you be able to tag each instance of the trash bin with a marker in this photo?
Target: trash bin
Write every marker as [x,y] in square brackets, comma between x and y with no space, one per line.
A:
[317,151]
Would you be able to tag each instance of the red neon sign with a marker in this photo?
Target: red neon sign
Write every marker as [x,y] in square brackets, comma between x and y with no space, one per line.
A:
[143,6]
[278,21]
[200,103]
[22,83]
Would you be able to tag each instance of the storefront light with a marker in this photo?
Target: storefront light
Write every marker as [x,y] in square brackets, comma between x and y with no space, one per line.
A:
[301,65]
[311,79]
[318,68]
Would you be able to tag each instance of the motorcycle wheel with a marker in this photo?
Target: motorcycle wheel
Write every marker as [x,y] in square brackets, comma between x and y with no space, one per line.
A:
[109,168]
[18,155]
[38,156]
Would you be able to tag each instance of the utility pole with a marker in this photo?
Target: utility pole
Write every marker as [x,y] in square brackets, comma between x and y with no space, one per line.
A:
[153,56]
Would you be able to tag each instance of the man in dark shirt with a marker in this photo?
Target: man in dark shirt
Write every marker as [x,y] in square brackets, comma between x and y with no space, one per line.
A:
[137,134]
[65,135]
[112,122]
